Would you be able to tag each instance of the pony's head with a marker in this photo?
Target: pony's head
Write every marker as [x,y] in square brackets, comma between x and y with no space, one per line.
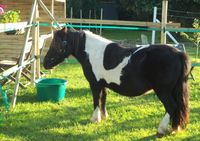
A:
[60,48]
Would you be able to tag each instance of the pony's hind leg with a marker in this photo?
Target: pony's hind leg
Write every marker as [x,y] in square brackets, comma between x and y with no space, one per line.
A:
[104,113]
[170,107]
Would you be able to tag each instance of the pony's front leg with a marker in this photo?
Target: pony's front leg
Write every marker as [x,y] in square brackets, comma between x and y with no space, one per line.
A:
[104,113]
[96,116]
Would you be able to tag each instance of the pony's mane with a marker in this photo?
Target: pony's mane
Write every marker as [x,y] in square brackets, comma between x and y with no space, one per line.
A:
[91,34]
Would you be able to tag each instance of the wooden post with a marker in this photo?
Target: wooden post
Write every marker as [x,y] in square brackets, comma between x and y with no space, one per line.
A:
[48,13]
[164,21]
[52,12]
[65,9]
[21,61]
[35,44]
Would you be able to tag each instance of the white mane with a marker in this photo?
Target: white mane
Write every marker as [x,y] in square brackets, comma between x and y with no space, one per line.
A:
[95,36]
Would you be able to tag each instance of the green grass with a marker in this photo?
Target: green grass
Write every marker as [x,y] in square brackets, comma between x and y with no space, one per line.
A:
[129,118]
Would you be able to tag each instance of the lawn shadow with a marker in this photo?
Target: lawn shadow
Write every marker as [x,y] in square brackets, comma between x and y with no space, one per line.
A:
[34,125]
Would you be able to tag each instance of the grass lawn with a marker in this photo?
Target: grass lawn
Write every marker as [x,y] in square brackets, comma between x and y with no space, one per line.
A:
[129,118]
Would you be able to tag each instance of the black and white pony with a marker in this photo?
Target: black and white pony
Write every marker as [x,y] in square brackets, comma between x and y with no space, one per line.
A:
[127,71]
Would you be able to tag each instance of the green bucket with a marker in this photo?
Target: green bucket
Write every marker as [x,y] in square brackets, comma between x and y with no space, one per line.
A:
[51,89]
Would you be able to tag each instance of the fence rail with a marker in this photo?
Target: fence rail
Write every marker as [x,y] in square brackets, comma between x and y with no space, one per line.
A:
[110,22]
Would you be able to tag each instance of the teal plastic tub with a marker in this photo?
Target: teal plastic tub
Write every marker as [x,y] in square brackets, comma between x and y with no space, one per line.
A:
[51,89]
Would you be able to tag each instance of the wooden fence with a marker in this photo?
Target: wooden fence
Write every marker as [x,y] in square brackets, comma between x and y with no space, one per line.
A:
[11,45]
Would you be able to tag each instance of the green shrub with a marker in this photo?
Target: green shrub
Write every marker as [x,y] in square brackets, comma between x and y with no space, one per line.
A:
[11,16]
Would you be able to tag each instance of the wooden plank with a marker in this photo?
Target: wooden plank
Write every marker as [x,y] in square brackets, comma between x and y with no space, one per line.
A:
[13,25]
[60,1]
[110,22]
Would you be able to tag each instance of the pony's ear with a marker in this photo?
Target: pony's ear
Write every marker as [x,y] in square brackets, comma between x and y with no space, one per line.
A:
[65,29]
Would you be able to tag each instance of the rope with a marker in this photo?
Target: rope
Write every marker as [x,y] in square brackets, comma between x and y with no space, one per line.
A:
[101,26]
[105,27]
[125,27]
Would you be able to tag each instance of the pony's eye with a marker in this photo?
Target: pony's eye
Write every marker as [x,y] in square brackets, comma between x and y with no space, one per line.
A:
[64,43]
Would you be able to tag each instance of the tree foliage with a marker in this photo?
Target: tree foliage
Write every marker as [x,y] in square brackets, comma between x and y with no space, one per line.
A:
[141,10]
[195,37]
[84,5]
[135,9]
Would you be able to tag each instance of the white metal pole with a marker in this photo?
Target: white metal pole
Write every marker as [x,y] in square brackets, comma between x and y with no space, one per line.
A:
[154,20]
[90,13]
[101,19]
[81,16]
[21,61]
[71,12]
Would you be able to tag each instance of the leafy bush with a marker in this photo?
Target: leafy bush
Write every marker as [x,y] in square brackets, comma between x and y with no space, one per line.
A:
[11,16]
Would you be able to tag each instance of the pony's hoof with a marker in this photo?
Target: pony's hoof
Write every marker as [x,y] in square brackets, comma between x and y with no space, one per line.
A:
[159,135]
[104,116]
[95,120]
[174,131]
[163,133]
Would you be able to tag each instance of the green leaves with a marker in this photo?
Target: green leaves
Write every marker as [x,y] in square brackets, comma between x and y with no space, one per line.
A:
[196,35]
[11,16]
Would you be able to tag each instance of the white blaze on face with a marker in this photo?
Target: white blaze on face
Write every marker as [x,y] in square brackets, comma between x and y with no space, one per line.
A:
[163,126]
[95,47]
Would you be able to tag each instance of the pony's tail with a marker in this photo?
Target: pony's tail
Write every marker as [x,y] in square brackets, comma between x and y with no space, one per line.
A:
[181,95]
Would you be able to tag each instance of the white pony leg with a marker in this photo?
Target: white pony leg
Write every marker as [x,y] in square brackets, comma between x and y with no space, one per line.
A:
[96,116]
[163,126]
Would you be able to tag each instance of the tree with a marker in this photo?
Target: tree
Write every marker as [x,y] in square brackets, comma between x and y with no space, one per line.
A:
[85,5]
[195,38]
[136,9]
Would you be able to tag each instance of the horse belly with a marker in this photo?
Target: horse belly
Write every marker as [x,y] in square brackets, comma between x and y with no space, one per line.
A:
[130,88]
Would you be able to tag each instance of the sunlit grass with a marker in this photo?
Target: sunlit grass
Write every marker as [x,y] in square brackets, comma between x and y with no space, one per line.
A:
[129,118]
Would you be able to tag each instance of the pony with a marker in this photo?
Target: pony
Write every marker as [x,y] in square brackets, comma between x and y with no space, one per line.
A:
[127,71]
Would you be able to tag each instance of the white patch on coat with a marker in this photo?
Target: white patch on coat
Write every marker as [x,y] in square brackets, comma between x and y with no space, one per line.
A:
[163,126]
[95,47]
[140,48]
[96,116]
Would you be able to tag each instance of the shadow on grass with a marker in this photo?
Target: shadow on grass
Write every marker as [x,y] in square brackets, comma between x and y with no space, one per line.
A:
[192,138]
[34,125]
[69,122]
[31,97]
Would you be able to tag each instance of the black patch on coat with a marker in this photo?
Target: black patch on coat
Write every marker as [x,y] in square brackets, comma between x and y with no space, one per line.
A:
[114,54]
